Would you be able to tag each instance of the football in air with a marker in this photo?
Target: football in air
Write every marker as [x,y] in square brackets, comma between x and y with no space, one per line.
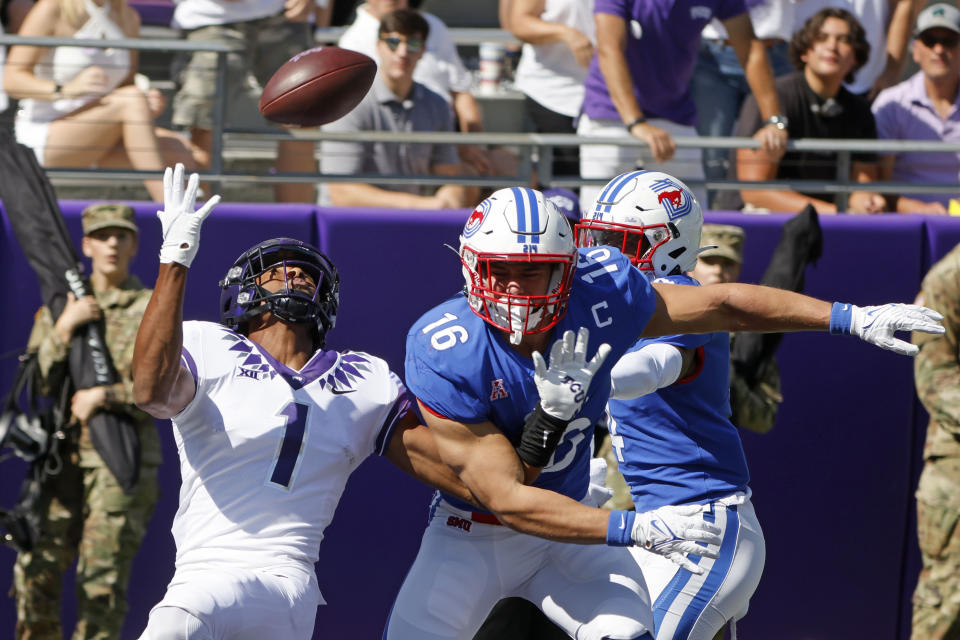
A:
[317,86]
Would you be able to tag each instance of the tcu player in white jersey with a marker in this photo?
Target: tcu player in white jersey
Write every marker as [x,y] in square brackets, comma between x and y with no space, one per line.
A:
[268,425]
[677,446]
[500,416]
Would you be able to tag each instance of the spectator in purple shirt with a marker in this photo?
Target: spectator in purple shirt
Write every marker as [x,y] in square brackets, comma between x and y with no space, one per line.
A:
[924,107]
[640,81]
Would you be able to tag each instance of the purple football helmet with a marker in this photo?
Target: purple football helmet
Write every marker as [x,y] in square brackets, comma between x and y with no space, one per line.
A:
[242,297]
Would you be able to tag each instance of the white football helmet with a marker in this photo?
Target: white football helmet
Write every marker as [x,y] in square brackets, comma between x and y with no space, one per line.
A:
[651,217]
[517,225]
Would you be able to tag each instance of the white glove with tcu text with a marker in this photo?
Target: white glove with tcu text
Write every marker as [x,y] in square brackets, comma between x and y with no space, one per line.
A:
[674,531]
[877,324]
[178,219]
[563,386]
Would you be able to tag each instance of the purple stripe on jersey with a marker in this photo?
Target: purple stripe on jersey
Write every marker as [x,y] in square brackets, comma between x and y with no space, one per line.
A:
[401,407]
[319,364]
[349,368]
[241,346]
[190,364]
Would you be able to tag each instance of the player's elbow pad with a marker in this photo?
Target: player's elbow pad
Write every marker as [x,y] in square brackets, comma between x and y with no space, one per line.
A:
[641,372]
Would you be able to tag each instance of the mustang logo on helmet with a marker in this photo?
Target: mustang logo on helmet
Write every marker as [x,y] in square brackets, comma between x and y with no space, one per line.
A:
[475,221]
[671,196]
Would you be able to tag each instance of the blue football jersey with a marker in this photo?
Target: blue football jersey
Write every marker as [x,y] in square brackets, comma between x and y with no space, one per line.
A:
[465,370]
[677,445]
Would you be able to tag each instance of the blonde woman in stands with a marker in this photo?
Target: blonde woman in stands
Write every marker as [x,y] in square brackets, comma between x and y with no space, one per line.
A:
[79,107]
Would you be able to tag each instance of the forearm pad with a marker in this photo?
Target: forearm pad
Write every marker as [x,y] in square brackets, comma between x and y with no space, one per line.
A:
[541,434]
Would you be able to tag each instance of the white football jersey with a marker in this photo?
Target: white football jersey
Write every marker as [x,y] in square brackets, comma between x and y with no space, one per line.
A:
[265,451]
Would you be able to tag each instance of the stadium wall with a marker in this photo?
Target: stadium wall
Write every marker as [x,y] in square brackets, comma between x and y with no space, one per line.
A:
[832,483]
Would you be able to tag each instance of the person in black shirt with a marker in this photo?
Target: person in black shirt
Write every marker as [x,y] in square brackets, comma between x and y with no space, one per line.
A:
[829,48]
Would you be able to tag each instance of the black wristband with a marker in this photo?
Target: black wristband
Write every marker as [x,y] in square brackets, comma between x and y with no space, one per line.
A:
[637,121]
[541,435]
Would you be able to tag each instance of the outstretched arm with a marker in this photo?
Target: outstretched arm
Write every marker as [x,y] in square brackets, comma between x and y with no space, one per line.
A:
[487,464]
[162,386]
[744,307]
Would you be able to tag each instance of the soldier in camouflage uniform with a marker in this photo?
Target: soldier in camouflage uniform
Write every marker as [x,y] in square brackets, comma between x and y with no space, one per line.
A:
[85,514]
[754,407]
[936,601]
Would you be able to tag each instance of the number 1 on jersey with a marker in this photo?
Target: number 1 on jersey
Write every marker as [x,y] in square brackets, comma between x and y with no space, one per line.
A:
[291,447]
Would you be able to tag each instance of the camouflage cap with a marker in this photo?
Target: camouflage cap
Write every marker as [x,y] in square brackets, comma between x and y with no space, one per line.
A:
[108,214]
[728,240]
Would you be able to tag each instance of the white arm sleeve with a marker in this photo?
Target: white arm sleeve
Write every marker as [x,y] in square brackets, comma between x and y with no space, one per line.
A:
[641,372]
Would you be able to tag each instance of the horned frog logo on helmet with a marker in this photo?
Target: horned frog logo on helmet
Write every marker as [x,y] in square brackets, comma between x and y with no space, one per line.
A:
[517,225]
[652,217]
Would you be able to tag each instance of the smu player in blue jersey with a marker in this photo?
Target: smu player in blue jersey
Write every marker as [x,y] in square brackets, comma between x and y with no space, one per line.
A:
[511,425]
[669,413]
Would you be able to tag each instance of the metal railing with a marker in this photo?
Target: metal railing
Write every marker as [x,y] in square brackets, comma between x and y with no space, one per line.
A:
[535,151]
[461,36]
[219,101]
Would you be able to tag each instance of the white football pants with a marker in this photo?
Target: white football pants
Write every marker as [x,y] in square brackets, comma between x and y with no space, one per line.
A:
[464,567]
[695,607]
[228,603]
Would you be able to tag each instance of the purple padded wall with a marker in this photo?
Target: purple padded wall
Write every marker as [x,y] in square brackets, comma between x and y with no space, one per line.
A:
[831,481]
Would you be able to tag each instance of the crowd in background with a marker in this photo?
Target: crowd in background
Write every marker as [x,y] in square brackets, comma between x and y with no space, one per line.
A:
[775,70]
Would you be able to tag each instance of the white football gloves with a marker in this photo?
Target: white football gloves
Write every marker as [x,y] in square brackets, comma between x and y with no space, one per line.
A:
[674,531]
[563,386]
[178,219]
[597,492]
[877,325]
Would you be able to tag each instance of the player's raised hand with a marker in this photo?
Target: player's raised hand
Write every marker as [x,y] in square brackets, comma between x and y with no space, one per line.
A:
[563,385]
[179,219]
[674,531]
[877,325]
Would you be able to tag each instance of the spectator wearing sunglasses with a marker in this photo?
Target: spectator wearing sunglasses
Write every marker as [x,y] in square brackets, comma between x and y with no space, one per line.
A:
[396,102]
[924,107]
[827,51]
[440,69]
